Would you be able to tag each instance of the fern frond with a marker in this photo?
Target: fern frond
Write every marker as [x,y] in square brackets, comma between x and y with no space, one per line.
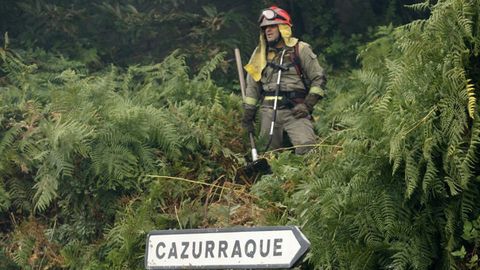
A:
[396,74]
[23,193]
[4,197]
[472,100]
[471,160]
[454,186]
[9,137]
[463,15]
[46,187]
[421,6]
[116,161]
[469,201]
[430,177]
[401,258]
[208,68]
[25,249]
[412,175]
[382,105]
[396,151]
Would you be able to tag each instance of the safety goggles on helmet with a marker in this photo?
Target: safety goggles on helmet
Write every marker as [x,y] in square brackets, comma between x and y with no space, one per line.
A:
[270,14]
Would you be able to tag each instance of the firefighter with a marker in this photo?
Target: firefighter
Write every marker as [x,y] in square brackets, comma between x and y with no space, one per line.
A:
[282,64]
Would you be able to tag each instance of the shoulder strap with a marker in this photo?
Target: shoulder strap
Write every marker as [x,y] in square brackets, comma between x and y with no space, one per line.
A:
[295,58]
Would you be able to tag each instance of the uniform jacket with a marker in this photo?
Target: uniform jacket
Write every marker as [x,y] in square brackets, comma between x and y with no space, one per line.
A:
[290,80]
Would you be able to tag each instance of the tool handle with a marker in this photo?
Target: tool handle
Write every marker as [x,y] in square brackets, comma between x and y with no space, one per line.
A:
[254,150]
[274,116]
[241,77]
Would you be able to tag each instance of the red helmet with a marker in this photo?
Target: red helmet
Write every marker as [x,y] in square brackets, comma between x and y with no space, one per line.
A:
[274,15]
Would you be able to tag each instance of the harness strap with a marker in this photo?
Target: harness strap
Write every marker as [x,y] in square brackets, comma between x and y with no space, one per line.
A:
[295,58]
[276,66]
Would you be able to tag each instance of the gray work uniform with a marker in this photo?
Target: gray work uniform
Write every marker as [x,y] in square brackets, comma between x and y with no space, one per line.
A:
[300,131]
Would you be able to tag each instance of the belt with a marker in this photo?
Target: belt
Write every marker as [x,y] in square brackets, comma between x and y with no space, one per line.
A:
[286,94]
[268,101]
[285,99]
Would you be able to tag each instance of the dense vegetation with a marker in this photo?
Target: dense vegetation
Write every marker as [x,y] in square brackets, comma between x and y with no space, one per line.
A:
[120,117]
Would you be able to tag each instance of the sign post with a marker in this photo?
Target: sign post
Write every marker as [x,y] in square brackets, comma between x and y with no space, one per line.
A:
[230,248]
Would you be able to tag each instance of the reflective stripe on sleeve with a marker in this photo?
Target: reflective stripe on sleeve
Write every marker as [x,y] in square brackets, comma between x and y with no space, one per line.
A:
[317,90]
[250,101]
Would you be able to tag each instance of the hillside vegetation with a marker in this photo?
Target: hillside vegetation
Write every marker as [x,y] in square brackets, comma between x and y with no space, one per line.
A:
[100,145]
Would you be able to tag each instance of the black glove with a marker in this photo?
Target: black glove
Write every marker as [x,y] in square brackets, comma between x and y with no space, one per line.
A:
[249,119]
[300,111]
[304,109]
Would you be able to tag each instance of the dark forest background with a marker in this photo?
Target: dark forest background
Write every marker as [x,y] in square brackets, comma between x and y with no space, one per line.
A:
[142,32]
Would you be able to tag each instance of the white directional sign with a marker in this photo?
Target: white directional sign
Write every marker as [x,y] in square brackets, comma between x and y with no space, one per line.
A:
[260,247]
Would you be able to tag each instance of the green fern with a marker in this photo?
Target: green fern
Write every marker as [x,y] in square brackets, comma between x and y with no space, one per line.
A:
[4,197]
[25,250]
[75,145]
[46,186]
[421,6]
[472,100]
[208,68]
[418,113]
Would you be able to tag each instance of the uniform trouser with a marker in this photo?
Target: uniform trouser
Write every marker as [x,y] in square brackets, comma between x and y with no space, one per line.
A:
[300,131]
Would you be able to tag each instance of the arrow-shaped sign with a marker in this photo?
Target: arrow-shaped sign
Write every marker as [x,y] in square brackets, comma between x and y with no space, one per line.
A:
[259,247]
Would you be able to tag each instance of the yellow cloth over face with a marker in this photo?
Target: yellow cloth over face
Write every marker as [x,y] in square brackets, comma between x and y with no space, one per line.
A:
[258,61]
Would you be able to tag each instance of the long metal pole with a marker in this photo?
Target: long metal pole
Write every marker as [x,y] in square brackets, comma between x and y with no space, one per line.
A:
[241,77]
[277,91]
